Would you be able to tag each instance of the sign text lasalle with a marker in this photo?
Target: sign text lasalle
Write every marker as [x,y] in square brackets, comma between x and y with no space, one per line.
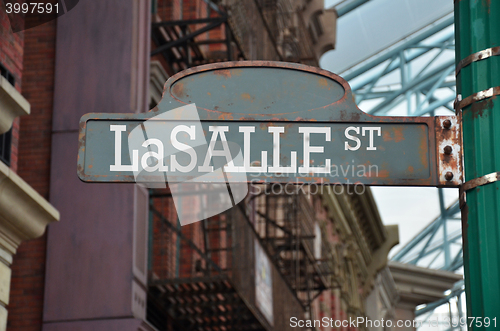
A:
[155,149]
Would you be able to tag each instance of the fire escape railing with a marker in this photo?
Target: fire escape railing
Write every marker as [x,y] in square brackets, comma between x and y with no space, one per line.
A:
[190,285]
[181,41]
[286,226]
[190,267]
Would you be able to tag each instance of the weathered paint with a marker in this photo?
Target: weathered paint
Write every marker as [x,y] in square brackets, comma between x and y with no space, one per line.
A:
[449,164]
[477,30]
[275,94]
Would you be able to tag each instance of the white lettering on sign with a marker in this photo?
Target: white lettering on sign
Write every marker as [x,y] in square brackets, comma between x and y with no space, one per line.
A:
[353,138]
[118,129]
[246,152]
[158,164]
[276,168]
[218,130]
[153,159]
[308,149]
[190,130]
[349,136]
[371,129]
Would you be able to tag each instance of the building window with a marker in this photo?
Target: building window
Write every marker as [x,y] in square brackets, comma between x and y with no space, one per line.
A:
[317,23]
[6,138]
[6,73]
[5,143]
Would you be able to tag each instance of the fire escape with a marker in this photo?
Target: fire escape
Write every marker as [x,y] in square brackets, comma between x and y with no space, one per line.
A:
[277,30]
[197,272]
[180,42]
[190,283]
[285,224]
[200,274]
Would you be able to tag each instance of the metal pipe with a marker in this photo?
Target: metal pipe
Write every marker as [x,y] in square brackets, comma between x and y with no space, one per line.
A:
[476,29]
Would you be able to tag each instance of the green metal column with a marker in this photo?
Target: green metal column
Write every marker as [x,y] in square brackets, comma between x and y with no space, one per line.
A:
[477,28]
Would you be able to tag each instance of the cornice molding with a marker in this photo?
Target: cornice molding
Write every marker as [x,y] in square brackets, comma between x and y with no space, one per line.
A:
[24,213]
[418,285]
[380,256]
[12,105]
[370,214]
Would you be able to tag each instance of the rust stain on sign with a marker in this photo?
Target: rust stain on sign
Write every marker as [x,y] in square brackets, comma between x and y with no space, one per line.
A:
[449,150]
[225,116]
[178,90]
[224,73]
[394,134]
[323,82]
[247,96]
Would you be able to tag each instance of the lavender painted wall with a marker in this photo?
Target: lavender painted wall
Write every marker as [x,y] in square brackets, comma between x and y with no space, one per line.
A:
[90,262]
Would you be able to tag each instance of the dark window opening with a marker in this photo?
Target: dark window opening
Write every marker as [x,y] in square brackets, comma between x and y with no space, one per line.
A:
[6,138]
[6,73]
[5,144]
[317,23]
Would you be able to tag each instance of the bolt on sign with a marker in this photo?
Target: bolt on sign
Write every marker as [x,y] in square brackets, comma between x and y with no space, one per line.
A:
[267,122]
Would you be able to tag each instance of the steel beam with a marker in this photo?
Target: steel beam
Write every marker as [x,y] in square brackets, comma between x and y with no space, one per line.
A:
[457,291]
[348,6]
[411,41]
[453,209]
[412,84]
[433,105]
[412,55]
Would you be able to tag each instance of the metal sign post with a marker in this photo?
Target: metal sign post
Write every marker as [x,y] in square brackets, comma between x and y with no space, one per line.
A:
[293,123]
[477,50]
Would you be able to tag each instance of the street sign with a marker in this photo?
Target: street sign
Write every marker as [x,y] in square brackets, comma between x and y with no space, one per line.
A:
[282,122]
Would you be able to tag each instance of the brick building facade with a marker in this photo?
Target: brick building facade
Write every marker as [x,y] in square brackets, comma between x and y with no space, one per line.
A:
[25,168]
[26,305]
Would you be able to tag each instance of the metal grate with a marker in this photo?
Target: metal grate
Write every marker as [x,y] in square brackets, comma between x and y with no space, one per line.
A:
[286,224]
[202,304]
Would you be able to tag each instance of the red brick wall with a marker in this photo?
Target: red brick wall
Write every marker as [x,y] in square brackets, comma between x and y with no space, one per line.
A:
[28,269]
[11,57]
[14,145]
[164,248]
[11,49]
[171,9]
[329,302]
[167,259]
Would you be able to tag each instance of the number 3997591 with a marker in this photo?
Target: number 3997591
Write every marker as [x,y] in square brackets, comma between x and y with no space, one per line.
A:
[32,8]
[471,322]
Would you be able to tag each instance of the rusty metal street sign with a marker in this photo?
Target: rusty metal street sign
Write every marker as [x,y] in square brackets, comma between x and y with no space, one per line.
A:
[293,123]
